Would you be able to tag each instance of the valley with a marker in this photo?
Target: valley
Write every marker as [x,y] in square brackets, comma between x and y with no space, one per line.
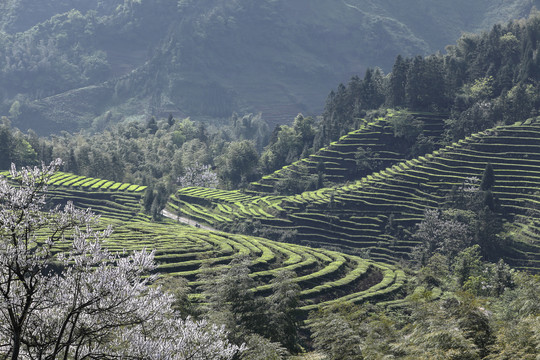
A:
[181,189]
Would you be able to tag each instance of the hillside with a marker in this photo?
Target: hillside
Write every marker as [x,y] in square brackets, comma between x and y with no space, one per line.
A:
[334,289]
[325,277]
[374,146]
[378,213]
[402,222]
[104,62]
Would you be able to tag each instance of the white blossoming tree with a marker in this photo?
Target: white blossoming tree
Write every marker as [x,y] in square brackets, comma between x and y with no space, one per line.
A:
[83,302]
[199,175]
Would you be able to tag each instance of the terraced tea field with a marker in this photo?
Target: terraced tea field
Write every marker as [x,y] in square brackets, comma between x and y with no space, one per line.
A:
[325,277]
[356,215]
[110,199]
[229,206]
[338,159]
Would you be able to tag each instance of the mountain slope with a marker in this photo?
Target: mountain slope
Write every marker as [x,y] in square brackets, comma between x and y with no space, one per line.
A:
[209,58]
[374,146]
[324,277]
[379,212]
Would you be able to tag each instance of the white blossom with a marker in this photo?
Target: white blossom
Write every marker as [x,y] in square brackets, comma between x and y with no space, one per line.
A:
[85,302]
[199,175]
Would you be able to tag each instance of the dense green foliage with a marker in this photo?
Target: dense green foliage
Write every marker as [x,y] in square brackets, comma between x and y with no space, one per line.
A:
[288,144]
[14,148]
[158,154]
[484,79]
[491,315]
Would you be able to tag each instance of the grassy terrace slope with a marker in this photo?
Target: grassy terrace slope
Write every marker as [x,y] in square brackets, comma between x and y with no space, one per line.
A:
[220,207]
[355,215]
[114,200]
[339,158]
[324,276]
[108,198]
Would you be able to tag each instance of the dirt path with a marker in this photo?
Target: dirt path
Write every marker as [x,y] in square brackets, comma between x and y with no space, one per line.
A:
[185,220]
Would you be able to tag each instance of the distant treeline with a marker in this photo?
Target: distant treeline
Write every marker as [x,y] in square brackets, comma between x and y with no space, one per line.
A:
[156,153]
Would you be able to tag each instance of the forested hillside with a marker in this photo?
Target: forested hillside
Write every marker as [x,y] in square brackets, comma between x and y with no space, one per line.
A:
[398,219]
[68,65]
[465,114]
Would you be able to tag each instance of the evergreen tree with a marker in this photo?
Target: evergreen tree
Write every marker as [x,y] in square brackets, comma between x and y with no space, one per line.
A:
[415,88]
[468,263]
[488,178]
[71,164]
[152,126]
[148,198]
[231,301]
[283,314]
[372,90]
[398,82]
[5,147]
[333,335]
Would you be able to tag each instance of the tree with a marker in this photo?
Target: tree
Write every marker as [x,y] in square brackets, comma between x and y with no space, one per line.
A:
[15,109]
[467,263]
[6,140]
[435,333]
[518,320]
[170,120]
[488,178]
[198,175]
[288,145]
[406,131]
[372,94]
[148,199]
[239,163]
[296,182]
[440,233]
[333,334]
[425,83]
[159,200]
[84,302]
[152,126]
[518,340]
[231,301]
[398,80]
[283,313]
[366,161]
[269,326]
[304,129]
